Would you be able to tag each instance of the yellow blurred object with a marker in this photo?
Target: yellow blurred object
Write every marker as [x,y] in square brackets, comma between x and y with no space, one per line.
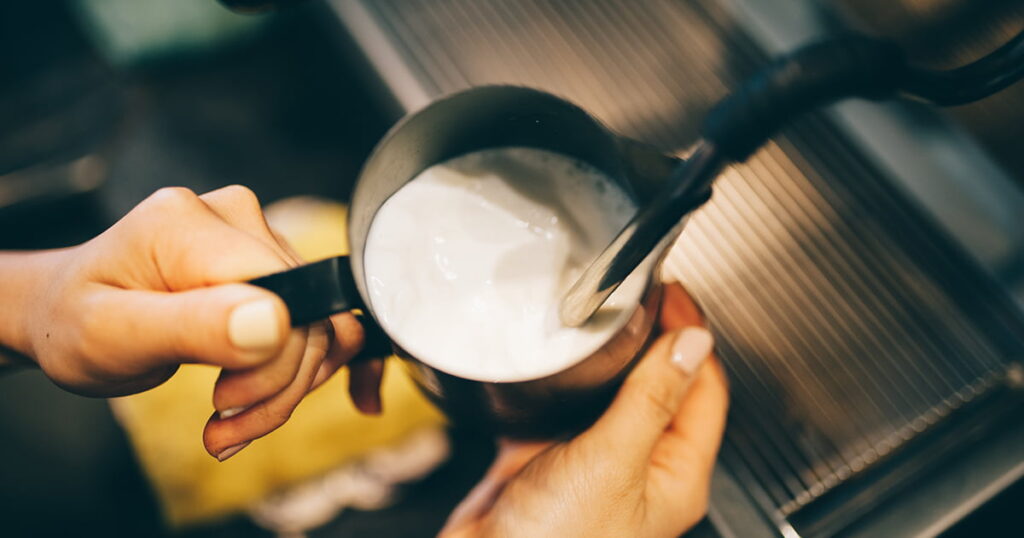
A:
[165,424]
[315,228]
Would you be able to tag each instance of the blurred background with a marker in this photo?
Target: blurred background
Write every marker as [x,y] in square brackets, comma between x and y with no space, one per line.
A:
[864,273]
[101,103]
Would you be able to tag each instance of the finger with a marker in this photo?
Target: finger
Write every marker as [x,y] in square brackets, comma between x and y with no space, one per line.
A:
[678,309]
[207,252]
[364,385]
[365,376]
[239,206]
[327,369]
[650,397]
[333,360]
[231,325]
[683,462]
[240,389]
[222,435]
[346,336]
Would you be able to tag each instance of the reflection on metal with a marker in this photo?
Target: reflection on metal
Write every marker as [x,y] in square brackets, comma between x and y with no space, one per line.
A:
[46,182]
[850,327]
[651,230]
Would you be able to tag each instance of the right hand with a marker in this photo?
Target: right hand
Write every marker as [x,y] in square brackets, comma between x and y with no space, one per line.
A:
[643,469]
[164,286]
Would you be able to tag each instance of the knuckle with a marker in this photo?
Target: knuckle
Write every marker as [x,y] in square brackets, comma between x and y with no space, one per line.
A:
[659,401]
[266,386]
[656,412]
[350,336]
[238,199]
[172,197]
[274,415]
[242,194]
[202,342]
[317,340]
[191,338]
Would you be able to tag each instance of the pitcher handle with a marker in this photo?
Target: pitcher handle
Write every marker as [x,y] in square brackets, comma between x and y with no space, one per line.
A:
[314,291]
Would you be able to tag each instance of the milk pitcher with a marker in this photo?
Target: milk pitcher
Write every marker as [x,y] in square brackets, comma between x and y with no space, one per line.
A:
[486,117]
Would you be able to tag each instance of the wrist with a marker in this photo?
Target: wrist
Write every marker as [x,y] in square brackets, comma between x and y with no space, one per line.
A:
[24,277]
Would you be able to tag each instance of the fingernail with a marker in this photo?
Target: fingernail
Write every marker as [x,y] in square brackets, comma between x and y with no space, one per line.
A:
[691,348]
[253,326]
[230,412]
[231,451]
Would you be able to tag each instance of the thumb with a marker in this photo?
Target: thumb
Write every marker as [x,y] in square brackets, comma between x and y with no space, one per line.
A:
[235,326]
[651,396]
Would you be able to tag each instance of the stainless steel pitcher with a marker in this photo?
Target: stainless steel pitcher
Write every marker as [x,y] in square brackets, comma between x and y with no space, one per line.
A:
[472,120]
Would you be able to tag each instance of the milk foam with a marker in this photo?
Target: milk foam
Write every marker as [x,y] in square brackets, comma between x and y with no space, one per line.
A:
[467,263]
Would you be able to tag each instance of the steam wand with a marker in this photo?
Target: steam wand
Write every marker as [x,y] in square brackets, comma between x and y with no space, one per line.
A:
[813,76]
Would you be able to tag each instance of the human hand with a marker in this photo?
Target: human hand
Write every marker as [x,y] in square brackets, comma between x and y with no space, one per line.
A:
[162,287]
[643,469]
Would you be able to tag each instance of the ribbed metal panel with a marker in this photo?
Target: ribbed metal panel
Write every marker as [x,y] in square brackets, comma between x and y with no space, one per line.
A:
[847,324]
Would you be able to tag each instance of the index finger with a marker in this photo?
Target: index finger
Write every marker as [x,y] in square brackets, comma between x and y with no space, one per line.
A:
[678,309]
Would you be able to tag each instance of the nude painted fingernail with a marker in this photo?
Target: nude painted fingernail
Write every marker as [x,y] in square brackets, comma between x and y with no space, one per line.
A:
[692,346]
[231,451]
[253,326]
[230,412]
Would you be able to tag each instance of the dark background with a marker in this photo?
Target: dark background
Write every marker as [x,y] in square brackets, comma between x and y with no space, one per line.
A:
[281,112]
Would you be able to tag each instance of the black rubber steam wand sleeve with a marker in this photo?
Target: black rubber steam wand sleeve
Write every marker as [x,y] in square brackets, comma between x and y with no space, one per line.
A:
[852,66]
[811,77]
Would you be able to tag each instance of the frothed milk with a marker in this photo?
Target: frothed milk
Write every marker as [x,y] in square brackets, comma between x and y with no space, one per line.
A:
[467,263]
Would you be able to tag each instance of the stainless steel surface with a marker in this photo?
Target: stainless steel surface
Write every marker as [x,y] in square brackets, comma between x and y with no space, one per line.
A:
[649,232]
[851,326]
[49,182]
[968,480]
[945,160]
[946,33]
[56,129]
[504,116]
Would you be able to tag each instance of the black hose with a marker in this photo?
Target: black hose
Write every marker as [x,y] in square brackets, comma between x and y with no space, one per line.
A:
[969,83]
[854,66]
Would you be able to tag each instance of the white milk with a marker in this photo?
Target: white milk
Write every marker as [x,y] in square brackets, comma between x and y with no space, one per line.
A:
[467,263]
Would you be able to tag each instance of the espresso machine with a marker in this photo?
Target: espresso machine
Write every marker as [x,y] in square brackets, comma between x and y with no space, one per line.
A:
[859,270]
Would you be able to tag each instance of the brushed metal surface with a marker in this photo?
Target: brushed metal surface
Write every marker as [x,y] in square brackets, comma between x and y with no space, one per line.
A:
[849,325]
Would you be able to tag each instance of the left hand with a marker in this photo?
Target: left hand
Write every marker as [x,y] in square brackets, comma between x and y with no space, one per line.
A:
[643,469]
[166,286]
